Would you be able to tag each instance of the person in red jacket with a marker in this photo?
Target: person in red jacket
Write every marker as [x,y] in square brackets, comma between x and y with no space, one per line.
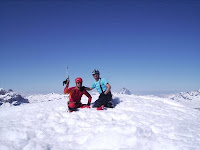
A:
[75,94]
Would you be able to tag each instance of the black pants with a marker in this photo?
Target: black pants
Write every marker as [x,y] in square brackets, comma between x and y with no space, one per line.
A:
[103,100]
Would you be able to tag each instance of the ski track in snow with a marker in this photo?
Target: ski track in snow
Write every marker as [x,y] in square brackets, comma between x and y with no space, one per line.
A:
[137,122]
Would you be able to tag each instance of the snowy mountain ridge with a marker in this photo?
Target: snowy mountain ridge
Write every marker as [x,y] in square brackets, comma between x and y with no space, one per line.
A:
[189,99]
[186,95]
[11,98]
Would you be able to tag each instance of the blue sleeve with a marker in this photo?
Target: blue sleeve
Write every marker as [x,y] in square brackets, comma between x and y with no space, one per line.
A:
[104,81]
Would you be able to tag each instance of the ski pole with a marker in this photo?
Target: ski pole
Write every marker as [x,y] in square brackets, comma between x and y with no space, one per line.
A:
[67,80]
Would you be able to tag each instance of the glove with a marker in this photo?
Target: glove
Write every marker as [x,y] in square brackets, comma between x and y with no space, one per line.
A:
[66,82]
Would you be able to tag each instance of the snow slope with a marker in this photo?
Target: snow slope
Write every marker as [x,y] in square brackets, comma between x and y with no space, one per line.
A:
[137,122]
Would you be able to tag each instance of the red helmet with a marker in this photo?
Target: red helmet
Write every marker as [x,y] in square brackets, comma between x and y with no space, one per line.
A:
[78,80]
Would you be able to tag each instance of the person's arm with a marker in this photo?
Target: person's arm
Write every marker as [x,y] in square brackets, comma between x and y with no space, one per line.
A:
[108,88]
[89,97]
[66,87]
[88,88]
[68,90]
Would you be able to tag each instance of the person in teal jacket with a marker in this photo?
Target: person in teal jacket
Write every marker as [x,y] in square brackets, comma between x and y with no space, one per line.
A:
[104,89]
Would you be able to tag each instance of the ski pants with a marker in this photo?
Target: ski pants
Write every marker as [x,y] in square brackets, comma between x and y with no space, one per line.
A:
[74,105]
[103,100]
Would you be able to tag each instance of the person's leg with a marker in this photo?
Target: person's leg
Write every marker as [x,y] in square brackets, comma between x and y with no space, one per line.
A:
[110,104]
[108,101]
[84,106]
[99,102]
[72,107]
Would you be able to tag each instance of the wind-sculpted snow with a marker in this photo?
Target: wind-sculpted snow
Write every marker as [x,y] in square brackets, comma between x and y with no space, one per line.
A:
[137,122]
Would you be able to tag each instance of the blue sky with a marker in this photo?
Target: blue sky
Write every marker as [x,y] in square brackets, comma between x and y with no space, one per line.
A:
[146,46]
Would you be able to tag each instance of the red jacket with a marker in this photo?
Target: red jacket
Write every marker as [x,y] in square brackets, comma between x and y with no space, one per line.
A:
[75,94]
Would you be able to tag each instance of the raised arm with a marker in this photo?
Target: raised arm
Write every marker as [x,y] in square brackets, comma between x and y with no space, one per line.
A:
[68,90]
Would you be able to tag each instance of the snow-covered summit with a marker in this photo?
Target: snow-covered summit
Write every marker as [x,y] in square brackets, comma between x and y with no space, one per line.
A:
[10,97]
[137,122]
[125,91]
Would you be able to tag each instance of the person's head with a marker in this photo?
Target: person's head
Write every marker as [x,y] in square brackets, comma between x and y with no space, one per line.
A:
[96,74]
[78,82]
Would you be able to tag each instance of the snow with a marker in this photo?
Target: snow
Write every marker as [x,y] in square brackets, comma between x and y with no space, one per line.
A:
[2,91]
[137,122]
[125,91]
[189,99]
[10,98]
[44,98]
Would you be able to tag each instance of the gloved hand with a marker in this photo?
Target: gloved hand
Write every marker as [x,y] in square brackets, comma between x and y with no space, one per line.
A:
[66,82]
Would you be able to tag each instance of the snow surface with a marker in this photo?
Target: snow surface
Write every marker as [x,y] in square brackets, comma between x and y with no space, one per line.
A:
[137,122]
[44,98]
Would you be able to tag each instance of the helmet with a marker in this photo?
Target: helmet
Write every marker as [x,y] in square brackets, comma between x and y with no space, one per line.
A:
[95,72]
[78,80]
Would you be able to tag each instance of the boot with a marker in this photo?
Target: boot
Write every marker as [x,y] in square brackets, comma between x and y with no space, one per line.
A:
[101,107]
[110,104]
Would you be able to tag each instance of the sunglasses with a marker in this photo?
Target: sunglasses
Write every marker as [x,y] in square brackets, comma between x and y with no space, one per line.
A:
[78,83]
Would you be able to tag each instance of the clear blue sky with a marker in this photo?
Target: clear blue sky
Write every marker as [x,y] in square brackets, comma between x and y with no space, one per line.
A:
[145,46]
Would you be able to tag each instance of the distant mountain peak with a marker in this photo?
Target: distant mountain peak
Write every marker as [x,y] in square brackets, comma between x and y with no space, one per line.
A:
[2,91]
[11,97]
[186,95]
[125,91]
